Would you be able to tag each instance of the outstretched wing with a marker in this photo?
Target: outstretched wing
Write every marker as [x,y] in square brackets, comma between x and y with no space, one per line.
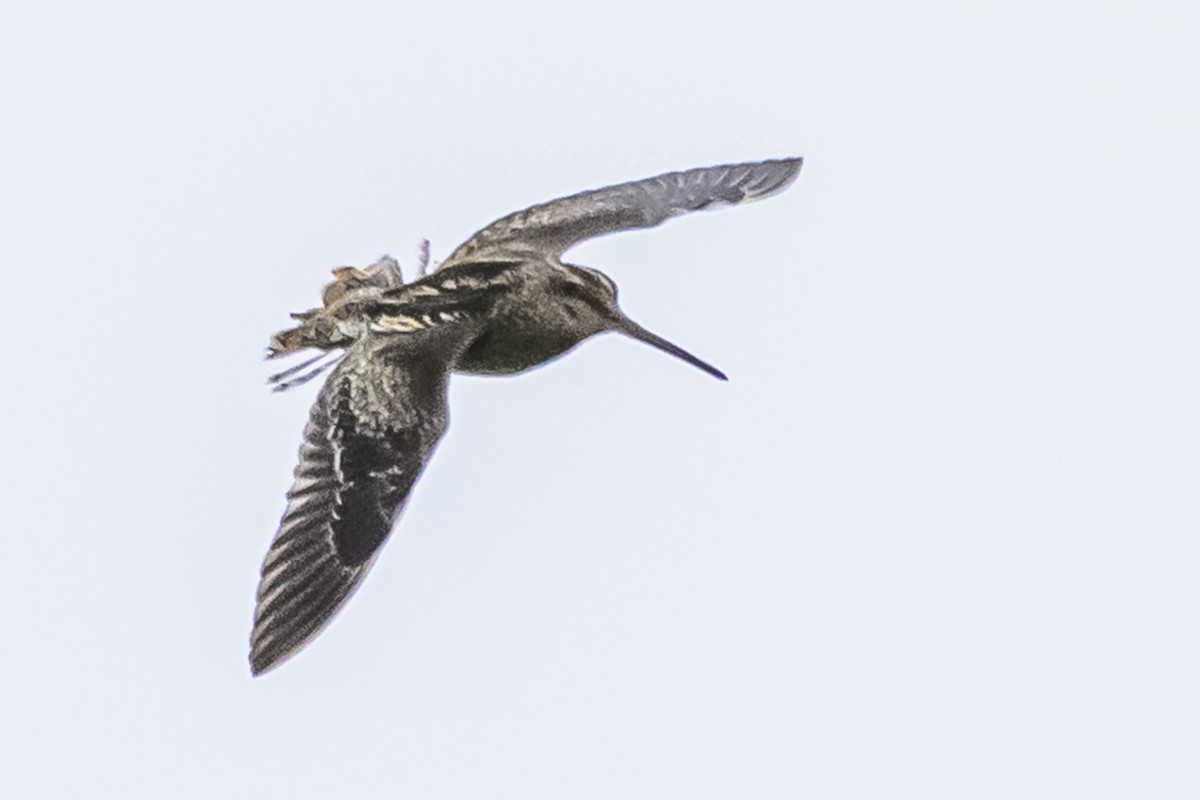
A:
[373,427]
[550,229]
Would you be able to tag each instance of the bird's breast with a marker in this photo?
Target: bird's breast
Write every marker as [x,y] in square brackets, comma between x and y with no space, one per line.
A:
[516,343]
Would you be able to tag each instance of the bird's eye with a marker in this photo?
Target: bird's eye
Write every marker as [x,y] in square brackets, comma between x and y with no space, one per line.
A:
[572,289]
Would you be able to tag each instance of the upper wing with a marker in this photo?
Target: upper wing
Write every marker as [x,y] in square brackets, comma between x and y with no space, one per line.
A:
[373,427]
[552,228]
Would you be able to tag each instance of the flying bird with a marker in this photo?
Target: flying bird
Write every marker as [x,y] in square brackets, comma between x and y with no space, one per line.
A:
[502,303]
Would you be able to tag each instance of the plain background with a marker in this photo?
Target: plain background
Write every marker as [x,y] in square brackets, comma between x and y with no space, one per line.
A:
[936,538]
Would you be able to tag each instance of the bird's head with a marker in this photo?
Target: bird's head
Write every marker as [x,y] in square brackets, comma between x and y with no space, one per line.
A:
[589,299]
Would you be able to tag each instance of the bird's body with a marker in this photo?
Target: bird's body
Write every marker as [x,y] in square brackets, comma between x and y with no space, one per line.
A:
[521,329]
[502,303]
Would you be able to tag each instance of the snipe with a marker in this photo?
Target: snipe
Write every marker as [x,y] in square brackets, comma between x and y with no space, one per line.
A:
[503,302]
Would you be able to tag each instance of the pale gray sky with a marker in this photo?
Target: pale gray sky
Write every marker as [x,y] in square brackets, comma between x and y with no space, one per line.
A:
[936,538]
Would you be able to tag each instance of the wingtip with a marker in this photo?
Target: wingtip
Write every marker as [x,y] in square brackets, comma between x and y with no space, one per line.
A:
[257,669]
[772,176]
[794,164]
[270,649]
[259,662]
[264,660]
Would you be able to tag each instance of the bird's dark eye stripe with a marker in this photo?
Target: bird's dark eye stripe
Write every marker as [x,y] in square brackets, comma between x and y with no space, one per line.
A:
[576,291]
[598,305]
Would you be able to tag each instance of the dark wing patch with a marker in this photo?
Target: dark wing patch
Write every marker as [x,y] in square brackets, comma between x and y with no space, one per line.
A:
[551,228]
[371,431]
[375,473]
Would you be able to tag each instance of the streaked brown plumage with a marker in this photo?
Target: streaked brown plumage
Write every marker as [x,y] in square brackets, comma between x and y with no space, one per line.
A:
[502,303]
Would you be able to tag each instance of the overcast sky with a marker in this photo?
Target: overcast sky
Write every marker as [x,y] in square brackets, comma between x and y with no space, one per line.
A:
[936,538]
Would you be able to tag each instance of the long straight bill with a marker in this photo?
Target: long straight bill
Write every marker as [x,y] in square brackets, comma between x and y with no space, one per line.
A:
[635,331]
